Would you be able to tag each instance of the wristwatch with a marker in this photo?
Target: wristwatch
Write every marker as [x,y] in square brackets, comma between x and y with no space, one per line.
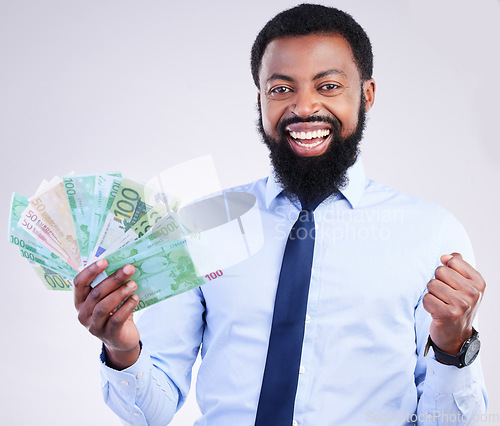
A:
[466,356]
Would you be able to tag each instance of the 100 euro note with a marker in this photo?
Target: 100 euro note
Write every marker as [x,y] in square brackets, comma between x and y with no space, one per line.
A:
[88,197]
[155,216]
[129,206]
[79,192]
[163,266]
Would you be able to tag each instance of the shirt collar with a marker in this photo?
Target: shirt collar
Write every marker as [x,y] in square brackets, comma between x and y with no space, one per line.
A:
[352,191]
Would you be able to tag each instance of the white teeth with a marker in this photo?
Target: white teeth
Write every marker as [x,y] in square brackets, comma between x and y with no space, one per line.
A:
[310,135]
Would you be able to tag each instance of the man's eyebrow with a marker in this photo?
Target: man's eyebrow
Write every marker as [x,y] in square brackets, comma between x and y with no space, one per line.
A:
[326,73]
[280,77]
[329,72]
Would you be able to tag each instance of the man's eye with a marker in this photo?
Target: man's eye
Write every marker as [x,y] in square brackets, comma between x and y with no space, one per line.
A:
[329,87]
[280,90]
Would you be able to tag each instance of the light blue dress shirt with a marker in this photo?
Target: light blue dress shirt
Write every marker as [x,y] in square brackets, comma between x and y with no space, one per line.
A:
[365,330]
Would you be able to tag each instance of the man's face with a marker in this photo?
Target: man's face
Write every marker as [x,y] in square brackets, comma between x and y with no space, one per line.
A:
[312,103]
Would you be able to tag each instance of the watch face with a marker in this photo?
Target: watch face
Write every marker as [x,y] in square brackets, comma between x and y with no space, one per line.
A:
[472,351]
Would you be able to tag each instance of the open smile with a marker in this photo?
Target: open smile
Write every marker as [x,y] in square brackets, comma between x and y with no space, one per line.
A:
[308,139]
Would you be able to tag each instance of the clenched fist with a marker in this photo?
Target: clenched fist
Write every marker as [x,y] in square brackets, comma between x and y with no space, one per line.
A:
[453,298]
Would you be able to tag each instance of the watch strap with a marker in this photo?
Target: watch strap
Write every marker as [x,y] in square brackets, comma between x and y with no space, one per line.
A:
[457,360]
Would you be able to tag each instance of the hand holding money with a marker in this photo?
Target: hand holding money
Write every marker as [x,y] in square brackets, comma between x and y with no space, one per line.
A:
[71,222]
[97,312]
[74,221]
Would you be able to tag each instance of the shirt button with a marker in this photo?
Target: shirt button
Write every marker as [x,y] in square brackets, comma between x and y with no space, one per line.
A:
[308,319]
[294,423]
[124,382]
[139,375]
[136,414]
[302,369]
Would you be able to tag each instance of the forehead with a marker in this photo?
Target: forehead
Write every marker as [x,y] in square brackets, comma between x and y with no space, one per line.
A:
[307,56]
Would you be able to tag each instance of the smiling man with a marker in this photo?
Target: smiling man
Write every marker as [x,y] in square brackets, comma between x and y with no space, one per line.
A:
[360,306]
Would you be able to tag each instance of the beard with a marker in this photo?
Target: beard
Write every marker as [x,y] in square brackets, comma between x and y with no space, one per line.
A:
[314,178]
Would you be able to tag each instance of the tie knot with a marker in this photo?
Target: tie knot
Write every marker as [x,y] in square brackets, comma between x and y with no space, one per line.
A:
[310,205]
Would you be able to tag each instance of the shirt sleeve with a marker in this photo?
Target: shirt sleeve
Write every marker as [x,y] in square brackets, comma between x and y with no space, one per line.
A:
[152,390]
[447,394]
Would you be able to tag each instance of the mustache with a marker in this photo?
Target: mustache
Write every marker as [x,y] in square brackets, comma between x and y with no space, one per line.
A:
[332,121]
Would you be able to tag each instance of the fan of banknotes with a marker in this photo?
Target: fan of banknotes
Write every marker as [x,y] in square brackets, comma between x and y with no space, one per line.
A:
[72,221]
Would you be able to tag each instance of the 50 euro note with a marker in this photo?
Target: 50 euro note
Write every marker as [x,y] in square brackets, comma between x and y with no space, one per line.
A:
[48,218]
[29,247]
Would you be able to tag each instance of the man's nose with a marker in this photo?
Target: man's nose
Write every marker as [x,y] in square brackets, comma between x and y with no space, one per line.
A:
[306,104]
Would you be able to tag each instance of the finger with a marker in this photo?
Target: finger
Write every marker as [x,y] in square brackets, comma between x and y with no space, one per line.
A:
[446,257]
[468,271]
[105,309]
[456,262]
[465,269]
[464,300]
[102,290]
[123,313]
[451,278]
[110,284]
[442,291]
[433,305]
[85,278]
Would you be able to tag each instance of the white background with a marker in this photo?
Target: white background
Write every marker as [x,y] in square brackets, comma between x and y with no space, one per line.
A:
[136,86]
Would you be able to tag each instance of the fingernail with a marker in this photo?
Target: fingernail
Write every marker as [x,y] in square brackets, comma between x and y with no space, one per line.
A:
[100,263]
[135,298]
[128,269]
[131,284]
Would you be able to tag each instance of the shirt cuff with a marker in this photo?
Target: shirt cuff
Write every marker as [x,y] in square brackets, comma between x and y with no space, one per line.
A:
[132,376]
[442,378]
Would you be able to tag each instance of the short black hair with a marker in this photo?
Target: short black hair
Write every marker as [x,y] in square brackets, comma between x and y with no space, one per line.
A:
[307,19]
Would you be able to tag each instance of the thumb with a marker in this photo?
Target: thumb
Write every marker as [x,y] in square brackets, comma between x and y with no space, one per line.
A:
[445,258]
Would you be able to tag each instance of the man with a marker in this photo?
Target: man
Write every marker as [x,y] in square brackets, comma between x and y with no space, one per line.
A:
[386,273]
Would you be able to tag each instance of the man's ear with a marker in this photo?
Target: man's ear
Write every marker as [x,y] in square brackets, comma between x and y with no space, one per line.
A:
[369,91]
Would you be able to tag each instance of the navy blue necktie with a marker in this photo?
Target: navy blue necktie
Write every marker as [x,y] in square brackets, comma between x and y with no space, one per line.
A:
[279,385]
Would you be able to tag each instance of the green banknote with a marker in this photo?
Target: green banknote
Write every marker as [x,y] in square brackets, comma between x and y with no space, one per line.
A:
[51,279]
[161,258]
[161,272]
[129,206]
[80,194]
[105,190]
